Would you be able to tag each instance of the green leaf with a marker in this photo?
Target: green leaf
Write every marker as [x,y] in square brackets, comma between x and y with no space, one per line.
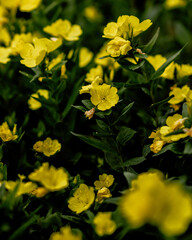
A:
[88,104]
[95,143]
[148,47]
[114,160]
[80,108]
[125,134]
[134,161]
[129,176]
[161,69]
[71,218]
[173,147]
[72,98]
[162,101]
[124,111]
[114,200]
[188,148]
[102,125]
[130,66]
[146,150]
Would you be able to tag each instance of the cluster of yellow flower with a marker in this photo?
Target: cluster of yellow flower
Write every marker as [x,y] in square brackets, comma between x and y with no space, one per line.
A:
[175,122]
[153,200]
[122,32]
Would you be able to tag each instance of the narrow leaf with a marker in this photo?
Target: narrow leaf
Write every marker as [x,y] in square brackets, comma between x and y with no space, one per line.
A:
[125,134]
[148,47]
[124,111]
[134,161]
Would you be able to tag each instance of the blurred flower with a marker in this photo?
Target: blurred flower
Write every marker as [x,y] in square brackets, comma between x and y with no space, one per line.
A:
[51,178]
[104,96]
[85,56]
[104,181]
[118,46]
[183,70]
[23,5]
[82,199]
[35,104]
[19,40]
[4,55]
[126,27]
[39,192]
[92,14]
[157,61]
[164,204]
[48,147]
[65,233]
[4,36]
[23,187]
[104,225]
[64,29]
[6,134]
[169,4]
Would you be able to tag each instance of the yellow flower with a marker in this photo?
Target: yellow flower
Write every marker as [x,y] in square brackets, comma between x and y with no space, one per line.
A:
[19,40]
[3,15]
[85,56]
[6,134]
[55,61]
[93,73]
[169,4]
[157,61]
[28,6]
[118,46]
[35,104]
[174,122]
[126,27]
[23,188]
[51,178]
[4,55]
[48,147]
[104,225]
[24,5]
[87,88]
[102,194]
[104,181]
[104,96]
[165,205]
[183,70]
[65,233]
[82,199]
[39,192]
[180,94]
[65,29]
[33,55]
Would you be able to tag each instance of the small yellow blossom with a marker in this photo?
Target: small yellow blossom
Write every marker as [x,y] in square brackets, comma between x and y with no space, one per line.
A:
[102,194]
[85,56]
[157,145]
[6,134]
[170,4]
[93,73]
[94,83]
[164,204]
[23,188]
[104,96]
[65,233]
[180,94]
[23,5]
[104,225]
[118,46]
[126,27]
[64,29]
[48,147]
[104,181]
[174,122]
[82,199]
[35,104]
[183,70]
[51,178]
